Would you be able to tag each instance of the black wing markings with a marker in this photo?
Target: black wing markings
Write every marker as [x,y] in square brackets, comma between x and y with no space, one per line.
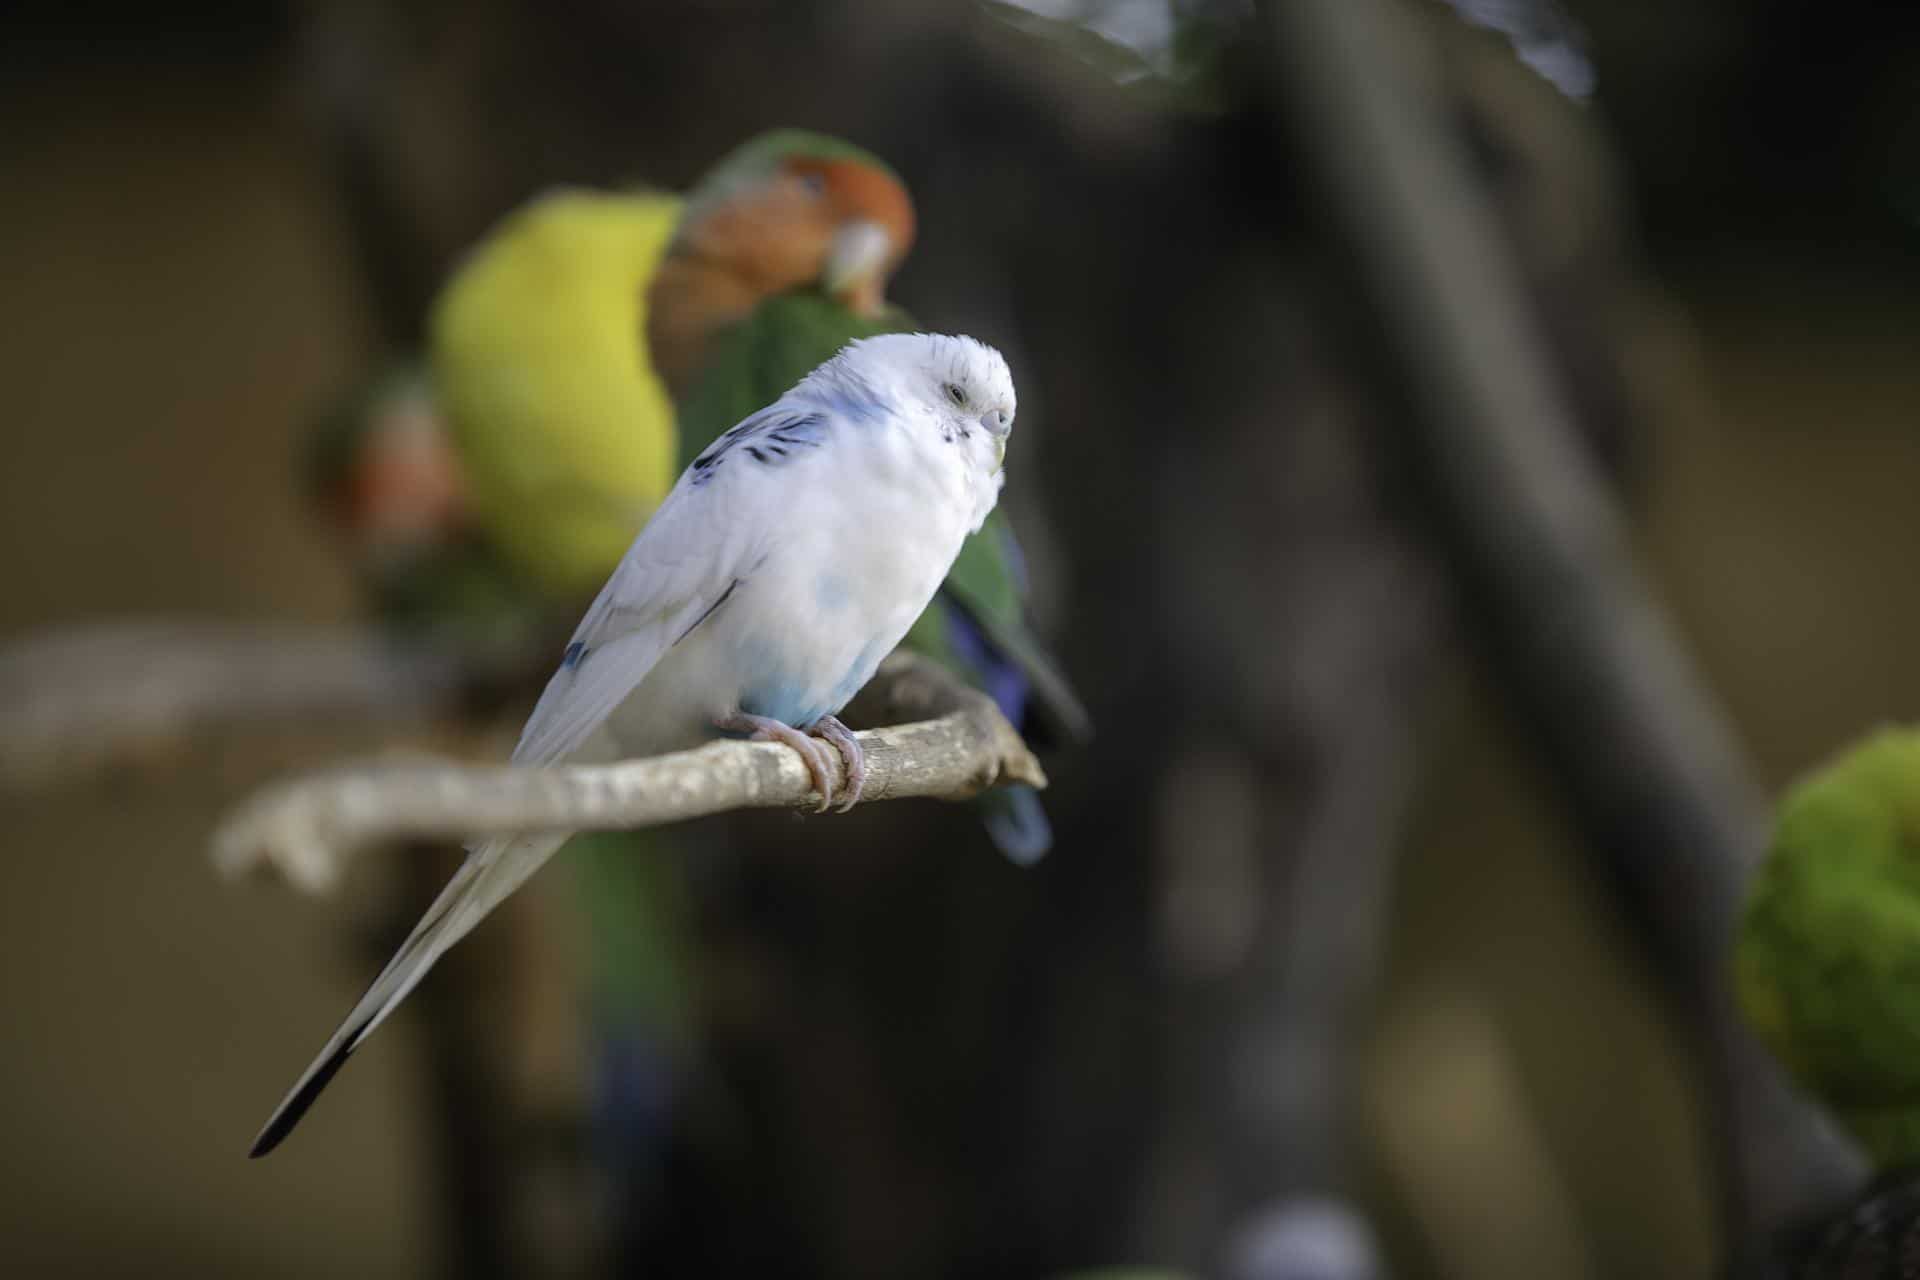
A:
[768,435]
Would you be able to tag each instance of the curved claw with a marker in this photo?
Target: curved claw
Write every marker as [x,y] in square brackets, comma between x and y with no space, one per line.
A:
[812,754]
[830,728]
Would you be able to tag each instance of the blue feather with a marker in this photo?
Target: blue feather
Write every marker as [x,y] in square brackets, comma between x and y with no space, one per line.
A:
[1017,824]
[1001,678]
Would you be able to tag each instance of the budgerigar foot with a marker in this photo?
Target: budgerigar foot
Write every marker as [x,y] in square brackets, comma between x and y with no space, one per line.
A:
[812,754]
[830,728]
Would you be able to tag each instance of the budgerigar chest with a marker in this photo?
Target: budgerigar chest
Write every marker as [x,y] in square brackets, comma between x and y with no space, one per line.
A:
[853,565]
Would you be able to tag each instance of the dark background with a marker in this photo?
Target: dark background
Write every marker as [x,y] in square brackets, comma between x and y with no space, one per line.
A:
[214,219]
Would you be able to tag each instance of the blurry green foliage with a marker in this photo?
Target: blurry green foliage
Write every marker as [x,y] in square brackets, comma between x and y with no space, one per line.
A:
[1827,961]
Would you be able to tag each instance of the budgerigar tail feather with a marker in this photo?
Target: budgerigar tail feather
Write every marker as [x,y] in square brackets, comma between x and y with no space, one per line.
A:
[1016,823]
[492,871]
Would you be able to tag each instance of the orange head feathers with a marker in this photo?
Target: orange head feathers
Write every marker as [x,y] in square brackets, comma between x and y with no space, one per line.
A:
[785,211]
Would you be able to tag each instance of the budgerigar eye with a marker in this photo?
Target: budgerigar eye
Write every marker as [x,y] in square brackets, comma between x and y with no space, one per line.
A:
[957,394]
[814,183]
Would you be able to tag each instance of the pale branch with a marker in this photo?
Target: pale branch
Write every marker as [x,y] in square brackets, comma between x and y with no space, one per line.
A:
[306,827]
[89,698]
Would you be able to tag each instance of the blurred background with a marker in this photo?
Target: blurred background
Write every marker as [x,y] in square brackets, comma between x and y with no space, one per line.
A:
[1323,943]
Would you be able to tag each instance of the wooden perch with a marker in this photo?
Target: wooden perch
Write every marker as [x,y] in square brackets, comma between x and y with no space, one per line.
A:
[306,827]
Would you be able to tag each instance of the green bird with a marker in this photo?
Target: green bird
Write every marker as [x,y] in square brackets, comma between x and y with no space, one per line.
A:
[977,624]
[1826,963]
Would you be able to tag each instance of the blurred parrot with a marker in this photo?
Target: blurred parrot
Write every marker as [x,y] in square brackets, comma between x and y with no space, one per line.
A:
[562,430]
[382,475]
[977,623]
[1826,963]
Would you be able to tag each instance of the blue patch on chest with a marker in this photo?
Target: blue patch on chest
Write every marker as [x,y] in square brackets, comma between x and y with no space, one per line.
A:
[788,702]
[801,702]
[833,592]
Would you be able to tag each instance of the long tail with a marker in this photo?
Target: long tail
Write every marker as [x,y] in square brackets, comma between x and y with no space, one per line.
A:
[492,871]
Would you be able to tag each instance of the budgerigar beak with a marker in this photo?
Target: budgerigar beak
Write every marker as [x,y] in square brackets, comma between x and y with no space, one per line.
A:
[855,259]
[997,426]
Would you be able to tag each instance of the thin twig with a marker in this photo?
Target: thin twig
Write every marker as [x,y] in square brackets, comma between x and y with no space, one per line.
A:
[307,827]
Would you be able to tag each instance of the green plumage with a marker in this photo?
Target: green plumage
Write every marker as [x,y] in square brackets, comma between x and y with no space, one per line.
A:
[765,150]
[761,358]
[639,924]
[1827,960]
[761,154]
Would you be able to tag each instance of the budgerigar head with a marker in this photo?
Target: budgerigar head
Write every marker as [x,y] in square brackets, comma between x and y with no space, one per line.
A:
[791,209]
[957,389]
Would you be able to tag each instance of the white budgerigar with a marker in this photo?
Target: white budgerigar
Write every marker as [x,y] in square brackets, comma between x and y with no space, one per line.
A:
[788,560]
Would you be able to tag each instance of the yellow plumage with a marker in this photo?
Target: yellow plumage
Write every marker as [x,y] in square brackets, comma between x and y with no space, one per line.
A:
[538,354]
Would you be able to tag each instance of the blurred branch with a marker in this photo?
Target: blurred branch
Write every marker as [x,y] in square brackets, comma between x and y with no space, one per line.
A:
[306,827]
[87,699]
[1590,660]
[355,78]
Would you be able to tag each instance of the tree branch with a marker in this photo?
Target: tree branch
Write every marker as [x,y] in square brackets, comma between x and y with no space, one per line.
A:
[306,827]
[85,699]
[1587,656]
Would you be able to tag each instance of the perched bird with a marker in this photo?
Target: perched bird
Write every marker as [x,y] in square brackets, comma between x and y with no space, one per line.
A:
[557,350]
[756,601]
[489,499]
[977,625]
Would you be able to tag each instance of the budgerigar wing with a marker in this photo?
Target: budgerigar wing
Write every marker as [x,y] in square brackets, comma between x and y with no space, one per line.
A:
[705,538]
